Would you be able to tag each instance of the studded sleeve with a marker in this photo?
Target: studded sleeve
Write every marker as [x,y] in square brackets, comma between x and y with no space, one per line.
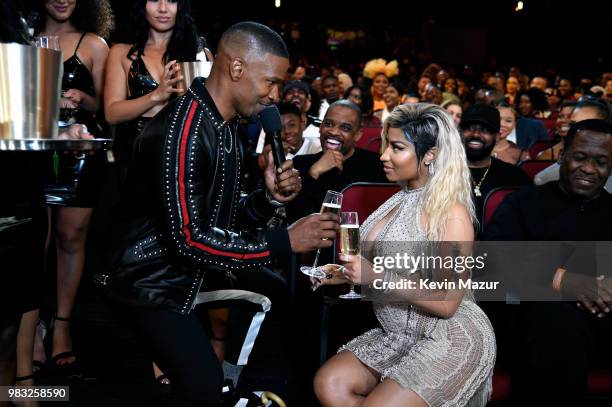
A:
[186,179]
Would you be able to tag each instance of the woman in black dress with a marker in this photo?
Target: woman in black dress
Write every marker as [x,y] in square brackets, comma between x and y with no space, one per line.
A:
[80,26]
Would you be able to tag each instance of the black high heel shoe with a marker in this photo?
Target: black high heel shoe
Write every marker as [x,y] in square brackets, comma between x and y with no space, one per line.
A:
[65,371]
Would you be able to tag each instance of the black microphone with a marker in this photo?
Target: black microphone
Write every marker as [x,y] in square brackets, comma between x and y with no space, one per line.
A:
[271,122]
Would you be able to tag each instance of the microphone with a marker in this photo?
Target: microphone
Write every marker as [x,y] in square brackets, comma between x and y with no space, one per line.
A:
[271,122]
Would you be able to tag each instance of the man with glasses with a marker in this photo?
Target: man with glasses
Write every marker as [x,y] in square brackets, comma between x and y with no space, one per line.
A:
[479,128]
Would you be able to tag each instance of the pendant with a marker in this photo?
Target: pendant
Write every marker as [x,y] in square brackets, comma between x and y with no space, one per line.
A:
[477,193]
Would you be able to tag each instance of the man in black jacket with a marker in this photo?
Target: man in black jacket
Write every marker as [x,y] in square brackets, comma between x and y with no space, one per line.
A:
[550,346]
[184,217]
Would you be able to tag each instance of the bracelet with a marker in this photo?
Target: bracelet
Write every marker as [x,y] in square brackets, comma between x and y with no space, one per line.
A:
[558,278]
[272,201]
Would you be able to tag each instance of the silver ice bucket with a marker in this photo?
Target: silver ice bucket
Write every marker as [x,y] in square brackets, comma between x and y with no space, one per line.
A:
[192,70]
[30,86]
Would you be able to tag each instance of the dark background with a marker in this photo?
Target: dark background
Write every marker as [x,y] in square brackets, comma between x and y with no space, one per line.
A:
[572,38]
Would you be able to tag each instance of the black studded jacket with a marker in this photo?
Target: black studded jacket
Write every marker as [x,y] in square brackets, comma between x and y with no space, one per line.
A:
[183,215]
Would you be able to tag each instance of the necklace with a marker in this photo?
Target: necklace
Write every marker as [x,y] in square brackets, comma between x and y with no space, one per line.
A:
[231,137]
[477,192]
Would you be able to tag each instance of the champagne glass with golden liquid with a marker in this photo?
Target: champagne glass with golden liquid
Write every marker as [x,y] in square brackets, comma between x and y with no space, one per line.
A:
[331,203]
[349,244]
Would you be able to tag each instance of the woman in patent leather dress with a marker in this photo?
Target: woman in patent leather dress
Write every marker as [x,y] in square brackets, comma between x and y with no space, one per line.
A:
[141,74]
[426,352]
[81,26]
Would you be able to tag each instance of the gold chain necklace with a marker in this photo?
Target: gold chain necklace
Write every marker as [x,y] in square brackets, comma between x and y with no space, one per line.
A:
[477,192]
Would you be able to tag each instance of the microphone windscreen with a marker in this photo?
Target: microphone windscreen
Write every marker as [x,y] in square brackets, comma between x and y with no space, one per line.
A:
[270,119]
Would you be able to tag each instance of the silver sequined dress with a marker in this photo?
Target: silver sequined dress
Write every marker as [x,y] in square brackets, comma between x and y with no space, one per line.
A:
[447,362]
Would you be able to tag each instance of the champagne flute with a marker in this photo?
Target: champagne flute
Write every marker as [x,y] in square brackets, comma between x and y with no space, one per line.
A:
[331,203]
[349,244]
[47,41]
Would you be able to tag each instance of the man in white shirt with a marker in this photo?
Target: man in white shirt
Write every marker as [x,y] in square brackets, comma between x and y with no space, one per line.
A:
[299,94]
[294,143]
[330,92]
[292,135]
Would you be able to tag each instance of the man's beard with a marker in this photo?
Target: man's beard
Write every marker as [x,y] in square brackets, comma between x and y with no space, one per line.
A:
[478,154]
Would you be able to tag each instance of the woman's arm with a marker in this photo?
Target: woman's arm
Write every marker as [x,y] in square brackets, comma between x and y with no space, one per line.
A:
[117,107]
[459,233]
[99,51]
[96,49]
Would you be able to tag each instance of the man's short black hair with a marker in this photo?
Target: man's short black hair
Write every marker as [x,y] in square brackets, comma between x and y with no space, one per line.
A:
[258,37]
[334,77]
[593,125]
[349,105]
[288,108]
[602,107]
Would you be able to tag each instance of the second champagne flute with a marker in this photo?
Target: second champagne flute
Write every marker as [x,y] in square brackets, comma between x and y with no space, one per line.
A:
[331,203]
[349,243]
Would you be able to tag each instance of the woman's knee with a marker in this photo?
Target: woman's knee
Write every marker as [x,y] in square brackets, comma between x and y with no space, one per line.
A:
[330,384]
[71,238]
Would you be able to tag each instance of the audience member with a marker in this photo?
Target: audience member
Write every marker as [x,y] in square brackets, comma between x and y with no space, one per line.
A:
[552,345]
[505,149]
[330,92]
[479,128]
[589,109]
[338,165]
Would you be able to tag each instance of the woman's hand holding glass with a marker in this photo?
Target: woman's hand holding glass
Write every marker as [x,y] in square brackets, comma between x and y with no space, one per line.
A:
[73,96]
[357,269]
[169,84]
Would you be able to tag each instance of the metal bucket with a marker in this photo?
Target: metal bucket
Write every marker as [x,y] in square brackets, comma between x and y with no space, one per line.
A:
[192,70]
[30,86]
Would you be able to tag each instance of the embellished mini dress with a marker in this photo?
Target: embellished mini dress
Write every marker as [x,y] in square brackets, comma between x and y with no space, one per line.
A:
[447,362]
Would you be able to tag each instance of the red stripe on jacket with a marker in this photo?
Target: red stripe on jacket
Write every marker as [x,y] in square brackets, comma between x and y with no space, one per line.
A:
[183,200]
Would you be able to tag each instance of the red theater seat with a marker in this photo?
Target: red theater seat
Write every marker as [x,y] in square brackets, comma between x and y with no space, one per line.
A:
[367,135]
[364,197]
[599,384]
[502,385]
[492,202]
[539,146]
[532,167]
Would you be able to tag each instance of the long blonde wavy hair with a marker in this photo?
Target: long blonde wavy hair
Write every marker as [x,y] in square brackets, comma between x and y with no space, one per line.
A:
[430,126]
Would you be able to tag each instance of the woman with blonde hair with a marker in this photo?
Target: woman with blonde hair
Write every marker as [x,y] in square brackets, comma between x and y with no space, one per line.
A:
[433,348]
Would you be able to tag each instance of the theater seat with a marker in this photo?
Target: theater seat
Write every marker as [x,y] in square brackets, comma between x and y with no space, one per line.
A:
[532,167]
[502,385]
[374,145]
[599,384]
[367,135]
[363,198]
[492,202]
[549,123]
[539,146]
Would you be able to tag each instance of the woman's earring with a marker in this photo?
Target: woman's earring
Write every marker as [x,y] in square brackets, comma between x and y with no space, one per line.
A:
[432,170]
